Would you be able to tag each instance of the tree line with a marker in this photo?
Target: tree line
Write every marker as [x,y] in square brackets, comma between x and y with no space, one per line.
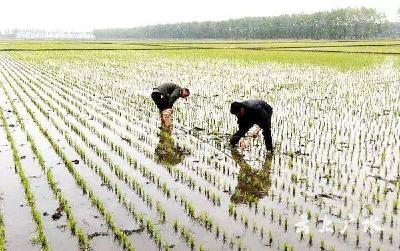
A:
[347,23]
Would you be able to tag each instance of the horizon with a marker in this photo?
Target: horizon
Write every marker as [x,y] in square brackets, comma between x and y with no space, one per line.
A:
[130,15]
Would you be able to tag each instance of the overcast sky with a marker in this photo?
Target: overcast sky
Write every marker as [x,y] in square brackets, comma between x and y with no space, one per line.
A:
[85,15]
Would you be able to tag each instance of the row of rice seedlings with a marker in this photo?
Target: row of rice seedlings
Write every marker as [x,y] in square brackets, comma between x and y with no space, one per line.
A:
[185,234]
[257,226]
[2,233]
[188,237]
[189,211]
[63,202]
[119,234]
[161,211]
[40,236]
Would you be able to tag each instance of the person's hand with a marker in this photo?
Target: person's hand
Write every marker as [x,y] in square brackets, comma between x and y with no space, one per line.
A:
[255,134]
[242,144]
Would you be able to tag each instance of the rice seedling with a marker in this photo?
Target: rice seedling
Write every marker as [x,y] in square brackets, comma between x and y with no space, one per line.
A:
[2,232]
[270,238]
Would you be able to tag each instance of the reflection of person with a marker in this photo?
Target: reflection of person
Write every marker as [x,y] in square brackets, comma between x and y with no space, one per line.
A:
[253,184]
[249,113]
[164,96]
[166,152]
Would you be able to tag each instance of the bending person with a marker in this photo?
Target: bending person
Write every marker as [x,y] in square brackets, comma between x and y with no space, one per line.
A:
[164,96]
[249,113]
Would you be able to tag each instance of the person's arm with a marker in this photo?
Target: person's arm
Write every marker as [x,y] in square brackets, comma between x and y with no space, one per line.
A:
[243,128]
[174,96]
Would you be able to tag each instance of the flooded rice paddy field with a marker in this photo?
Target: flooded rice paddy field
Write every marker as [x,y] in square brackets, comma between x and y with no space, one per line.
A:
[84,164]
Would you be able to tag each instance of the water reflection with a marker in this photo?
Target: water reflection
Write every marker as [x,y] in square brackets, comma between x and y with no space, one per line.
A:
[253,184]
[166,152]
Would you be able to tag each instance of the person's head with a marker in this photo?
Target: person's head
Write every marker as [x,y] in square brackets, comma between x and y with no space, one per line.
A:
[185,92]
[237,109]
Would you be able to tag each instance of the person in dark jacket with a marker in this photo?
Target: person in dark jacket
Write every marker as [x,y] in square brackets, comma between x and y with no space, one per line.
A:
[164,96]
[249,113]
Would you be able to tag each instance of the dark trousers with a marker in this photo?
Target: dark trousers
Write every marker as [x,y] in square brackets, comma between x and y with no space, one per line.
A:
[267,133]
[264,124]
[160,100]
